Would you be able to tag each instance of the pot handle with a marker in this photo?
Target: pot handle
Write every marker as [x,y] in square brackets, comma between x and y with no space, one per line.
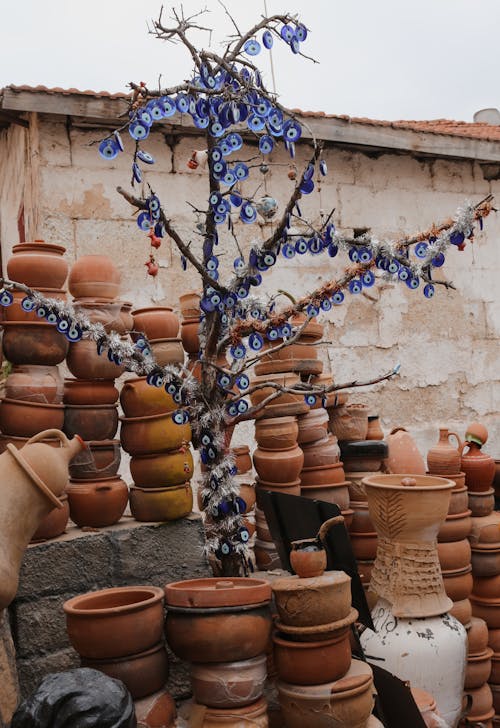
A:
[327,525]
[459,441]
[397,429]
[49,433]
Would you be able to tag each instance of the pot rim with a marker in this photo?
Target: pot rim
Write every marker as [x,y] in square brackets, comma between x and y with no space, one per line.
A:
[456,516]
[148,309]
[336,466]
[136,420]
[89,481]
[487,654]
[91,406]
[290,484]
[210,591]
[382,482]
[451,573]
[175,339]
[156,595]
[285,449]
[294,644]
[318,628]
[29,403]
[170,488]
[197,611]
[482,493]
[156,455]
[333,578]
[95,382]
[342,484]
[59,249]
[158,647]
[234,665]
[363,680]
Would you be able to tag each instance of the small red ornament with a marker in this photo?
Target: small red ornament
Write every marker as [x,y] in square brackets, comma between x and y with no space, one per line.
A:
[155,240]
[152,266]
[192,163]
[292,173]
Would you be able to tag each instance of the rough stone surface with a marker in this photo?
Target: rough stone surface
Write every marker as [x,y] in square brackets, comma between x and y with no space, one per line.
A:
[9,685]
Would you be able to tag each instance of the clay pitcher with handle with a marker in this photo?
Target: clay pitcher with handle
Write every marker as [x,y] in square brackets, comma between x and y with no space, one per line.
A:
[31,481]
[308,556]
[443,459]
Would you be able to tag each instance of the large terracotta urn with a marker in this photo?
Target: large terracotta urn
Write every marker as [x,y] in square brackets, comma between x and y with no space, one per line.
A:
[38,264]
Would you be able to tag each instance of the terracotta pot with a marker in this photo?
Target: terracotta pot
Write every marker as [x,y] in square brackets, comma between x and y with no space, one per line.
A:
[54,522]
[189,334]
[229,684]
[313,331]
[462,611]
[486,559]
[38,264]
[126,316]
[349,422]
[312,663]
[346,702]
[375,431]
[478,669]
[97,503]
[284,410]
[313,426]
[364,545]
[101,459]
[162,469]
[254,715]
[321,452]
[140,399]
[94,276]
[477,637]
[152,434]
[156,711]
[479,468]
[213,592]
[266,555]
[482,702]
[30,343]
[443,459]
[495,669]
[310,602]
[485,529]
[458,478]
[495,691]
[458,583]
[285,380]
[455,528]
[167,351]
[459,501]
[278,466]
[35,384]
[489,610]
[327,400]
[337,493]
[293,358]
[115,622]
[15,312]
[242,459]
[143,673]
[361,522]
[161,504]
[476,432]
[189,304]
[157,322]
[25,418]
[89,392]
[481,504]
[494,641]
[454,555]
[404,456]
[276,433]
[356,488]
[19,442]
[487,588]
[90,422]
[291,488]
[105,312]
[323,475]
[308,562]
[84,362]
[496,480]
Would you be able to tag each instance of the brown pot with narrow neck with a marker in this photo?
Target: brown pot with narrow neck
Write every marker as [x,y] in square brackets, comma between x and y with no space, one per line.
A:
[444,459]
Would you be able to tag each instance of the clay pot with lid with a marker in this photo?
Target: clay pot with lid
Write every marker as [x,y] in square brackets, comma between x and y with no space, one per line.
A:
[91,422]
[152,434]
[97,503]
[89,392]
[313,601]
[321,452]
[162,469]
[157,322]
[444,459]
[229,684]
[84,362]
[278,466]
[22,418]
[312,663]
[38,265]
[167,351]
[276,433]
[38,343]
[15,312]
[161,504]
[115,622]
[313,426]
[479,468]
[140,399]
[94,276]
[100,459]
[35,384]
[404,456]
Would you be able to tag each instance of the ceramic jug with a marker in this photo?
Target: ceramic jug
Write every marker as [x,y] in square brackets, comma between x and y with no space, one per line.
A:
[404,456]
[31,480]
[479,468]
[443,459]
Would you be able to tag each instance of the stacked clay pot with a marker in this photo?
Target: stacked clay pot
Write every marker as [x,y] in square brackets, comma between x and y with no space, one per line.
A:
[299,357]
[222,627]
[34,388]
[119,631]
[189,304]
[319,684]
[97,495]
[161,326]
[161,462]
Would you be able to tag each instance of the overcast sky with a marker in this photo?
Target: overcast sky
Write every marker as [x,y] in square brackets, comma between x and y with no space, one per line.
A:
[385,59]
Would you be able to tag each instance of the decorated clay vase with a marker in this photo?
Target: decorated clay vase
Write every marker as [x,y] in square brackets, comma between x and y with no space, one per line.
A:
[444,459]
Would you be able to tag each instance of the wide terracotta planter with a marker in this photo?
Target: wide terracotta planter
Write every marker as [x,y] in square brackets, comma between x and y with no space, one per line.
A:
[143,673]
[158,322]
[94,276]
[162,469]
[312,663]
[140,399]
[276,433]
[84,362]
[253,715]
[101,459]
[404,456]
[35,384]
[161,504]
[22,418]
[332,474]
[486,559]
[15,312]
[337,493]
[189,304]
[443,459]
[38,265]
[458,583]
[167,351]
[455,527]
[91,422]
[152,434]
[321,452]
[189,334]
[478,669]
[229,684]
[97,503]
[278,466]
[315,601]
[54,523]
[313,426]
[115,622]
[211,592]
[33,343]
[89,392]
[454,555]
[481,504]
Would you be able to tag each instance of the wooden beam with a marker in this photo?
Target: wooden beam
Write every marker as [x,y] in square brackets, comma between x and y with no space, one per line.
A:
[11,118]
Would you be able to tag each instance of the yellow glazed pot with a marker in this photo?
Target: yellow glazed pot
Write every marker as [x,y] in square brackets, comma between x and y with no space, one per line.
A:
[162,469]
[152,434]
[140,399]
[161,504]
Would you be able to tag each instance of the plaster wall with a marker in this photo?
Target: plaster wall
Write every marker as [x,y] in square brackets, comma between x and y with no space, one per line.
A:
[448,346]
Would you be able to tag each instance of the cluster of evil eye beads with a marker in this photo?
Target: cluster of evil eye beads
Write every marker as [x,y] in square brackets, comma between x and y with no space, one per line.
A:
[52,315]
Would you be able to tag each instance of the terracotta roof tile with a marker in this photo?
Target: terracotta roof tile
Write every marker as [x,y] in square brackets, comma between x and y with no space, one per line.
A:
[66,91]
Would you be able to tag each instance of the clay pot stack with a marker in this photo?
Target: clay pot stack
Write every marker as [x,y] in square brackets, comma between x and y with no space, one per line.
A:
[223,629]
[318,682]
[97,495]
[190,310]
[119,631]
[161,326]
[299,357]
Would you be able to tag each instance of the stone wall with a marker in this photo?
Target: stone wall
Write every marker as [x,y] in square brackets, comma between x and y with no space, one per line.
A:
[448,347]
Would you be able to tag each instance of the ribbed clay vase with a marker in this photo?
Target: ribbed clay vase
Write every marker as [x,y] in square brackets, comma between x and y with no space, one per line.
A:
[444,459]
[407,512]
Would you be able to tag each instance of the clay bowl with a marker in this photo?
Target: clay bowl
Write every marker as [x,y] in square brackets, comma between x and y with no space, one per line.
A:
[242,459]
[292,488]
[323,474]
[35,384]
[361,522]
[477,637]
[454,555]
[167,351]
[478,669]
[459,501]
[229,684]
[115,622]
[253,716]
[143,673]
[89,392]
[458,583]
[161,504]
[38,343]
[140,399]
[100,459]
[311,663]
[38,264]
[310,602]
[54,522]
[158,322]
[321,452]
[162,469]
[456,527]
[84,362]
[99,422]
[313,426]
[152,434]
[338,493]
[486,559]
[482,503]
[278,466]
[97,503]
[22,418]
[462,611]
[277,433]
[94,276]
[364,545]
